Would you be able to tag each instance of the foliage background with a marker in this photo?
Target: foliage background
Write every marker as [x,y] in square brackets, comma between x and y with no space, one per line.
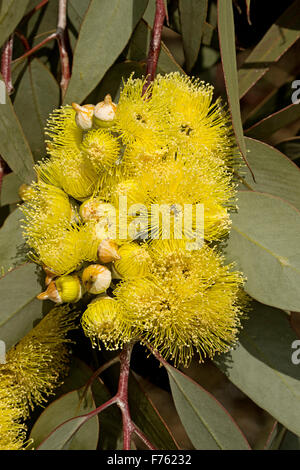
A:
[250,54]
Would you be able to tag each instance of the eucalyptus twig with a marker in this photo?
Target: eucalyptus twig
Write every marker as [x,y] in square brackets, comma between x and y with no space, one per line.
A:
[6,60]
[154,49]
[61,36]
[120,399]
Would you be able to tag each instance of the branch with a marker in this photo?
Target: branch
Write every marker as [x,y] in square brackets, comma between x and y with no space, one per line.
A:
[154,49]
[61,36]
[6,61]
[120,399]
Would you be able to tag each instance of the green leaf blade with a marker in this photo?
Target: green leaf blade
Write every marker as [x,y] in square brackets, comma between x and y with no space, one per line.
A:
[99,45]
[208,424]
[261,365]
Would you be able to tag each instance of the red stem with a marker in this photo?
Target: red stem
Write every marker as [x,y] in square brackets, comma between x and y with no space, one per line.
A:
[6,60]
[36,8]
[61,36]
[154,49]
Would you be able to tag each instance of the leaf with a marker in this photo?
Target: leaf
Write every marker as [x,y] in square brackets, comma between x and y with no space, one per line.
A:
[113,80]
[261,365]
[192,17]
[110,419]
[290,147]
[139,46]
[11,12]
[295,322]
[12,250]
[76,11]
[147,418]
[274,122]
[290,442]
[143,412]
[206,421]
[9,189]
[277,40]
[228,56]
[99,44]
[264,244]
[274,172]
[38,94]
[68,437]
[14,147]
[19,308]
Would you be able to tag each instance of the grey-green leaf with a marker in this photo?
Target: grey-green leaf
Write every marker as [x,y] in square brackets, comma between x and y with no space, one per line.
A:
[104,33]
[208,424]
[274,172]
[264,244]
[38,94]
[18,307]
[72,435]
[12,249]
[11,12]
[261,365]
[228,56]
[10,190]
[14,147]
[192,17]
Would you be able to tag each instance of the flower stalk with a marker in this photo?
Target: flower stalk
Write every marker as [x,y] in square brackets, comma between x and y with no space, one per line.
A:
[154,48]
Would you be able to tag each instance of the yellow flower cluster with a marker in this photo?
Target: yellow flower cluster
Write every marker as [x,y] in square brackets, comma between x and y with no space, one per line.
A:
[171,147]
[33,369]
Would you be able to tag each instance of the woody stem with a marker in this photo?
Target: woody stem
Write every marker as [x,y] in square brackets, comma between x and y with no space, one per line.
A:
[154,49]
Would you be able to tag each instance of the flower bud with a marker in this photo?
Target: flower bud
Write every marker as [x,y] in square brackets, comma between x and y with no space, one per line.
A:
[64,289]
[96,209]
[108,251]
[84,116]
[96,278]
[134,262]
[105,112]
[50,275]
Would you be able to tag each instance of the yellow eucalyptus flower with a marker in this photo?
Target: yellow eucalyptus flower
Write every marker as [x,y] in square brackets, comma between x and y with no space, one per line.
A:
[33,369]
[189,301]
[102,322]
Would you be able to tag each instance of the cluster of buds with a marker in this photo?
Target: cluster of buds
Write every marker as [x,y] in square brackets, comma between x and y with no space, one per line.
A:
[91,116]
[94,279]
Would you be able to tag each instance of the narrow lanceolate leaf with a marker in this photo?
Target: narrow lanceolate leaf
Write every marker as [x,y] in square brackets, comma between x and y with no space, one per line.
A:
[105,31]
[10,190]
[261,365]
[277,40]
[264,244]
[68,406]
[12,244]
[11,12]
[274,172]
[207,423]
[228,56]
[147,418]
[18,306]
[272,123]
[192,17]
[14,147]
[38,94]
